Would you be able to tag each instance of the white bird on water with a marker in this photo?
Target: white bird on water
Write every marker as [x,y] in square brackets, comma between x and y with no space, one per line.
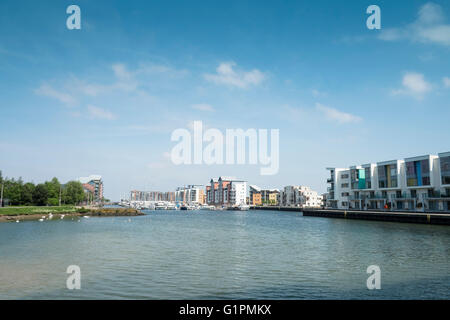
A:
[62,216]
[17,221]
[41,220]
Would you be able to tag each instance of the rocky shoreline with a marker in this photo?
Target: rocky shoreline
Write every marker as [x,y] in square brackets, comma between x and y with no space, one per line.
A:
[98,212]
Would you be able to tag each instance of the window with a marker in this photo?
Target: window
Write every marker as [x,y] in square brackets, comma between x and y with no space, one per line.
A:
[382,182]
[431,193]
[445,169]
[387,176]
[344,176]
[344,185]
[418,173]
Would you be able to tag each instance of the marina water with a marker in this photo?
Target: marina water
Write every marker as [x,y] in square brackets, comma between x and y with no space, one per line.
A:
[223,255]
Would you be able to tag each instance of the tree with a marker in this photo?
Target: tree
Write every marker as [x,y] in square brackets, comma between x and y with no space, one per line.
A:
[53,188]
[12,191]
[73,192]
[40,195]
[26,196]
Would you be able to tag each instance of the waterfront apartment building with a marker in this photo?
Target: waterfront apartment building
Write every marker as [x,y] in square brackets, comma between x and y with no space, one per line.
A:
[256,199]
[226,191]
[300,196]
[136,195]
[191,194]
[93,185]
[419,183]
[270,196]
[258,196]
[254,195]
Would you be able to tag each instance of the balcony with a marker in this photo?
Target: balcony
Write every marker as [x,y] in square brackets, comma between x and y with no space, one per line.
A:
[368,197]
[402,196]
[330,180]
[437,196]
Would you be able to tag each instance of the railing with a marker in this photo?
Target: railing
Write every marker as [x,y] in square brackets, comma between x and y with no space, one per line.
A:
[368,197]
[403,196]
[399,197]
[437,196]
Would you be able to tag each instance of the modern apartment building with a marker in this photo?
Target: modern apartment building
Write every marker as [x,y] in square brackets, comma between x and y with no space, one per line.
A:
[256,199]
[270,196]
[226,191]
[300,196]
[94,186]
[417,184]
[254,194]
[191,194]
[258,196]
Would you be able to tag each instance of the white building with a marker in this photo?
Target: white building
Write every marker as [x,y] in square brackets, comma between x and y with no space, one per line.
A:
[417,184]
[191,194]
[300,196]
[226,191]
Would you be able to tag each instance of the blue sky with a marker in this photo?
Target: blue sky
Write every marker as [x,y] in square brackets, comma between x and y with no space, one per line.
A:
[105,99]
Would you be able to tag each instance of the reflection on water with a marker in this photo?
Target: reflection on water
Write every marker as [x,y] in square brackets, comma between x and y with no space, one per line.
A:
[215,255]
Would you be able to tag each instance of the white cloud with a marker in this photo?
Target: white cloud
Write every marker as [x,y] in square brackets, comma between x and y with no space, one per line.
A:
[316,93]
[121,71]
[99,113]
[49,91]
[203,107]
[80,87]
[241,79]
[414,84]
[429,27]
[446,81]
[336,115]
[76,87]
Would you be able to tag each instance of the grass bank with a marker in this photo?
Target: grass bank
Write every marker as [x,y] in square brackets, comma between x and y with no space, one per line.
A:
[35,213]
[14,211]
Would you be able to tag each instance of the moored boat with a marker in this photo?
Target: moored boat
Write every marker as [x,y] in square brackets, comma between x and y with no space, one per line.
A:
[207,207]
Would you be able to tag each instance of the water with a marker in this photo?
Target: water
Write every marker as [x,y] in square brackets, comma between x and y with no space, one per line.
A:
[223,255]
